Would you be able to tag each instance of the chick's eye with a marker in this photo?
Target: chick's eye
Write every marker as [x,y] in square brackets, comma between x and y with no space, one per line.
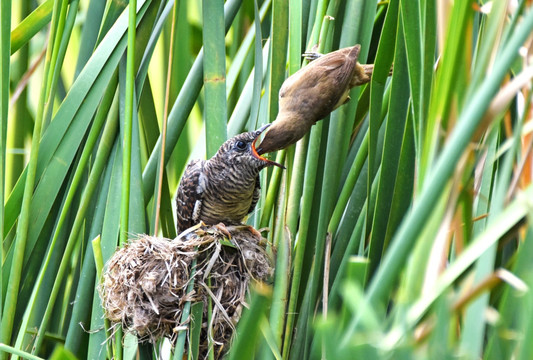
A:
[240,145]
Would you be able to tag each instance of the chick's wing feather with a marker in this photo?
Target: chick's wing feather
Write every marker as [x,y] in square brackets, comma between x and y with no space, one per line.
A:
[256,194]
[189,197]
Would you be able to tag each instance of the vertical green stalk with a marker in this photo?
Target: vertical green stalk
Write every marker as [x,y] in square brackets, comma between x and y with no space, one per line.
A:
[126,144]
[258,70]
[377,85]
[99,264]
[210,343]
[444,91]
[293,214]
[278,56]
[60,48]
[53,75]
[391,150]
[282,241]
[31,24]
[308,193]
[297,178]
[5,37]
[58,15]
[15,138]
[215,113]
[248,101]
[429,39]
[295,35]
[327,194]
[24,218]
[319,16]
[237,68]
[474,330]
[128,119]
[248,331]
[410,12]
[179,349]
[89,33]
[5,44]
[161,172]
[354,30]
[296,186]
[299,257]
[295,60]
[349,184]
[272,192]
[278,53]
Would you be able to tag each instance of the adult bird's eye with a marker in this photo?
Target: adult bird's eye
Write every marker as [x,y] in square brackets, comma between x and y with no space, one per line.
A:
[240,145]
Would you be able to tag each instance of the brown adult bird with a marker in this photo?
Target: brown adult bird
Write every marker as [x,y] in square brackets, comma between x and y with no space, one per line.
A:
[313,92]
[225,188]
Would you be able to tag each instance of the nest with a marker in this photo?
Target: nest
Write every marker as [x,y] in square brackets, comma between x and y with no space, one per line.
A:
[146,283]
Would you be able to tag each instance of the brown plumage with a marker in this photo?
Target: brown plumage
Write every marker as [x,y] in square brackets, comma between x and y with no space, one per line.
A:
[225,188]
[312,93]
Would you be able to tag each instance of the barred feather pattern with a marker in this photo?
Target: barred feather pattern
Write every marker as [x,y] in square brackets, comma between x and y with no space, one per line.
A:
[224,188]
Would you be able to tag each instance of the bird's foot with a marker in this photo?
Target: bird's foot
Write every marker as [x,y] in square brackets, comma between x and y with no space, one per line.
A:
[362,74]
[254,231]
[190,230]
[250,228]
[223,229]
[312,54]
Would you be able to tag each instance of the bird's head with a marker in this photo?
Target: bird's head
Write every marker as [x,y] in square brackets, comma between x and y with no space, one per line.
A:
[240,149]
[288,128]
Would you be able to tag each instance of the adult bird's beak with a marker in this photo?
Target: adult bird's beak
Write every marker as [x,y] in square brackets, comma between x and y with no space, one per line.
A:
[254,150]
[259,132]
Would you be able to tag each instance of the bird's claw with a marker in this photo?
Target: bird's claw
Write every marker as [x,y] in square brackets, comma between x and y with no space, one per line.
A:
[250,228]
[311,55]
[192,229]
[223,229]
[254,231]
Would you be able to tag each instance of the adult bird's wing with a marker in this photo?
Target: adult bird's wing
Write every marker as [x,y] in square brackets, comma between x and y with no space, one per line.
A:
[190,195]
[316,89]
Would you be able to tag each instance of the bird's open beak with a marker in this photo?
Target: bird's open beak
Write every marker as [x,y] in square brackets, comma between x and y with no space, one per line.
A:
[254,151]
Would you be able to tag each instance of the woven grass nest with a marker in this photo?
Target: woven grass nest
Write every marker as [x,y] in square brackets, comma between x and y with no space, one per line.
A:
[145,283]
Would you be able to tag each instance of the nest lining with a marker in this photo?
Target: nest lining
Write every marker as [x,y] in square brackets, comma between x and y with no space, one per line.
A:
[145,283]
